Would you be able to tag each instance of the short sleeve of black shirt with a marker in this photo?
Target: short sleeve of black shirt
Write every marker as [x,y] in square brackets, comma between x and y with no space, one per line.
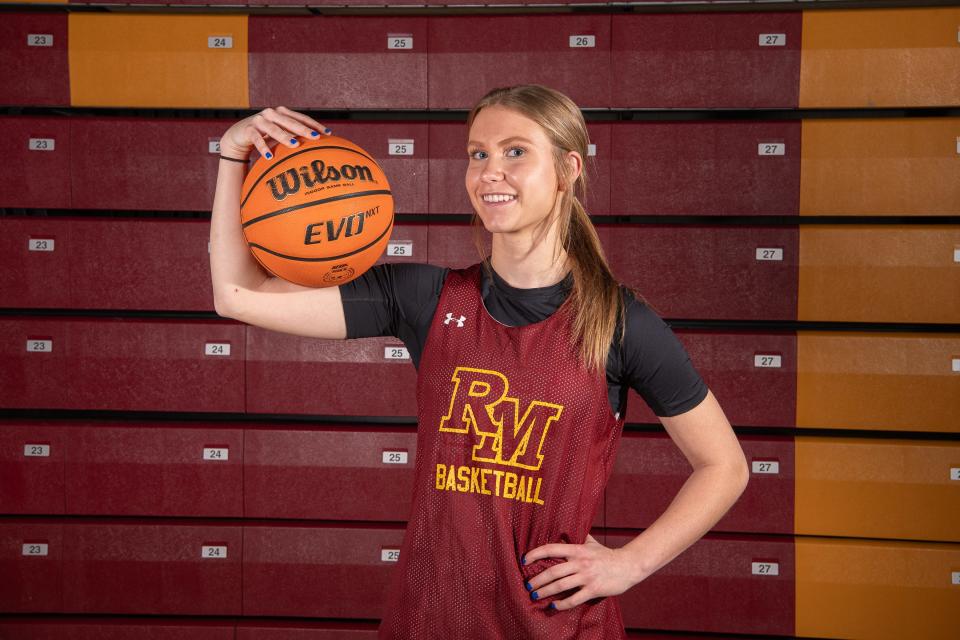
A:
[400,299]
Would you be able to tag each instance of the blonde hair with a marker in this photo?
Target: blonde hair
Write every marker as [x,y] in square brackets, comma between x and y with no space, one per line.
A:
[596,301]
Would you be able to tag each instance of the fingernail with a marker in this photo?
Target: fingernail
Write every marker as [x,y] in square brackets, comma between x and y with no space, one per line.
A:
[293,141]
[529,586]
[534,595]
[327,131]
[269,155]
[523,560]
[314,134]
[553,605]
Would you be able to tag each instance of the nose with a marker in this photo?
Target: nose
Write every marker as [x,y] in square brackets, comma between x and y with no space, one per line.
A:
[492,170]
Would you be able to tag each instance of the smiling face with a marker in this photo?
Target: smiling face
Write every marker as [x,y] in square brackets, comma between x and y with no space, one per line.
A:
[511,176]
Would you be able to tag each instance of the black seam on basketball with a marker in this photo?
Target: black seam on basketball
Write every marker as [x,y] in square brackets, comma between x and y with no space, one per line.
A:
[315,202]
[340,257]
[294,155]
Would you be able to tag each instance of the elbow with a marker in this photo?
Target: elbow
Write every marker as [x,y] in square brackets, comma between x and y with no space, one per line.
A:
[221,306]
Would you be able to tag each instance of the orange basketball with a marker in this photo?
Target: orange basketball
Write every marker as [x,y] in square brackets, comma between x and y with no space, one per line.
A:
[319,214]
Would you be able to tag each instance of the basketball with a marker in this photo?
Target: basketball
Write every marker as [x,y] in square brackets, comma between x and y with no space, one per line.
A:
[319,214]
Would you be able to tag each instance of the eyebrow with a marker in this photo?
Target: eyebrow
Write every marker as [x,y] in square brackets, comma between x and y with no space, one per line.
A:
[502,142]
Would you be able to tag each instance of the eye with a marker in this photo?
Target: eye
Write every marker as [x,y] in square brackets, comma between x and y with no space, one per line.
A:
[515,152]
[476,154]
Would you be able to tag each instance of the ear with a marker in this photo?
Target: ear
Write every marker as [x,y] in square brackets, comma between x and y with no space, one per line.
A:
[574,166]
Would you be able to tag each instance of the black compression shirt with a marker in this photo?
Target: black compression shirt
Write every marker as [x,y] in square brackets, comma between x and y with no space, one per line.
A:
[400,299]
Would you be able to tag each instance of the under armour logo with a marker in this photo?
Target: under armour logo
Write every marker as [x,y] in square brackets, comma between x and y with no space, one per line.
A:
[459,320]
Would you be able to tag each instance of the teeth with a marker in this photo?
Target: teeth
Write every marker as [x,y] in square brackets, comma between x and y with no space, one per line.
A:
[498,197]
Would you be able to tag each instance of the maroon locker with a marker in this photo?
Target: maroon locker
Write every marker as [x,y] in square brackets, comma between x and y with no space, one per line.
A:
[570,53]
[159,569]
[708,272]
[452,245]
[33,59]
[408,243]
[157,365]
[155,164]
[32,458]
[705,168]
[34,262]
[306,631]
[706,60]
[36,152]
[338,473]
[154,469]
[77,628]
[290,374]
[752,375]
[143,264]
[338,62]
[284,566]
[650,469]
[31,560]
[598,167]
[402,151]
[723,583]
[448,167]
[35,354]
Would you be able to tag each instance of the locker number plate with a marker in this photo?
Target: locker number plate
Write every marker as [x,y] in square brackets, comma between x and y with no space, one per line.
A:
[771,149]
[397,147]
[217,349]
[400,42]
[396,353]
[217,552]
[773,40]
[35,549]
[40,244]
[42,144]
[389,555]
[767,361]
[40,40]
[36,451]
[394,457]
[220,42]
[219,454]
[765,568]
[955,473]
[214,145]
[583,42]
[956,255]
[955,578]
[770,467]
[591,150]
[40,346]
[955,365]
[400,249]
[770,254]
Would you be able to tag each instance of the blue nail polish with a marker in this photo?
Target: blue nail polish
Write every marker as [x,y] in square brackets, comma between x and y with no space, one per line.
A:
[529,586]
[314,134]
[553,605]
[534,595]
[269,155]
[327,131]
[293,141]
[523,560]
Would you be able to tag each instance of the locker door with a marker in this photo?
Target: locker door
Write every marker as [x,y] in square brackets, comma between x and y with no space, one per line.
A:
[32,458]
[752,375]
[451,245]
[31,559]
[708,272]
[723,583]
[36,353]
[705,168]
[159,569]
[282,567]
[329,474]
[34,262]
[33,59]
[360,62]
[76,628]
[154,469]
[448,166]
[37,168]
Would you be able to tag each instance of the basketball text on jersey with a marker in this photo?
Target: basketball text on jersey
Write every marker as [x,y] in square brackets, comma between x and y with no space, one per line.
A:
[482,410]
[290,181]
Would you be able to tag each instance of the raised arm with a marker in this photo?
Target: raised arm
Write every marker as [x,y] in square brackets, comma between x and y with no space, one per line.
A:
[242,289]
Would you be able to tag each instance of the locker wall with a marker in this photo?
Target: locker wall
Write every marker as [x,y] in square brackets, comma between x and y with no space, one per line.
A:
[778,185]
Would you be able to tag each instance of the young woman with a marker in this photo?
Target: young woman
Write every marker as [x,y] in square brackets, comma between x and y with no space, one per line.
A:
[524,361]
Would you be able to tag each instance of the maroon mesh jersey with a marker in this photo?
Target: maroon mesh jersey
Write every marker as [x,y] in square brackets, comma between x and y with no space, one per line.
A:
[515,445]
